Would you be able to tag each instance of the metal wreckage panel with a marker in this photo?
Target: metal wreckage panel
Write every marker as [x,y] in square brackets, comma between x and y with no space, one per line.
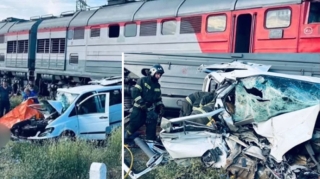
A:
[202,140]
[288,130]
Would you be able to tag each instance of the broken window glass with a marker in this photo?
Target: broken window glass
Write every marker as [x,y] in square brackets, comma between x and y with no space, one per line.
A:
[263,97]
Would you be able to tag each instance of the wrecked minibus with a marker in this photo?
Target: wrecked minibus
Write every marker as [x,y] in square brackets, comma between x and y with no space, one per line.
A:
[88,112]
[261,125]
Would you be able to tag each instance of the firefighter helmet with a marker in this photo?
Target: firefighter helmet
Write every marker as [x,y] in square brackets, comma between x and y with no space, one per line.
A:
[156,69]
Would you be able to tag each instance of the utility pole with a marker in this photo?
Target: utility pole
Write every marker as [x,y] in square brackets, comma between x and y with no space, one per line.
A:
[81,5]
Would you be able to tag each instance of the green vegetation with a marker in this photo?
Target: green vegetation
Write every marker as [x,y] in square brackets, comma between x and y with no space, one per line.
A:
[195,171]
[57,160]
[15,101]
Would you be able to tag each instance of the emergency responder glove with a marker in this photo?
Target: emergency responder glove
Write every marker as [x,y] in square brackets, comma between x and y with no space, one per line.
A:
[151,117]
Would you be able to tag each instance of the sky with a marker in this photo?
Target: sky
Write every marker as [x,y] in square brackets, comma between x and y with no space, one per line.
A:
[28,8]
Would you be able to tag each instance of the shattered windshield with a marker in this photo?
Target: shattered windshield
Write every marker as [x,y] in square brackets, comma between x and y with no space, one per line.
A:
[262,97]
[66,99]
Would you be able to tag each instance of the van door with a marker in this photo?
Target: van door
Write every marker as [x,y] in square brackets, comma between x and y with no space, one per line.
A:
[115,109]
[92,117]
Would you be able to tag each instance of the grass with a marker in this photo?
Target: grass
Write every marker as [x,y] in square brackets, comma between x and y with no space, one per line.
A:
[195,170]
[57,160]
[15,101]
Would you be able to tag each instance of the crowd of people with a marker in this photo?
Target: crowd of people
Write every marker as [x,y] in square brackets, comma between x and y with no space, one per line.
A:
[6,92]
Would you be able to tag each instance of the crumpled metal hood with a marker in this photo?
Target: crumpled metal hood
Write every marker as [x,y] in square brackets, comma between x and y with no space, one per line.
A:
[57,105]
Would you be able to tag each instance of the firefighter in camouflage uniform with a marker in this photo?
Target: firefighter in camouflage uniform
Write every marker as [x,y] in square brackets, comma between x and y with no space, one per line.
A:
[148,106]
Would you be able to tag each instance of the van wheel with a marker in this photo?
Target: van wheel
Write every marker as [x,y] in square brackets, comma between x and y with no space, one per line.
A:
[67,136]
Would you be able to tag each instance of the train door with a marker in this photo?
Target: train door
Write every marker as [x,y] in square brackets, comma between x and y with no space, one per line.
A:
[243,34]
[309,37]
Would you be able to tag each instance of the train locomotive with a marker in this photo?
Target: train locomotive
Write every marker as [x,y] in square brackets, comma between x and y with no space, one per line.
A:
[78,46]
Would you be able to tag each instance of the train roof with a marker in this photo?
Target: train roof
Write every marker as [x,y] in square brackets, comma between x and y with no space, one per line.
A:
[115,13]
[143,10]
[171,8]
[190,7]
[6,27]
[157,9]
[245,4]
[82,18]
[2,24]
[55,22]
[21,26]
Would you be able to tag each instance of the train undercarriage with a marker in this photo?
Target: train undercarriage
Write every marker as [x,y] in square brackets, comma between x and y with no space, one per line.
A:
[47,84]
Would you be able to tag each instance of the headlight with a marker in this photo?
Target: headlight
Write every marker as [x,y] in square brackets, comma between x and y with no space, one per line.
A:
[46,132]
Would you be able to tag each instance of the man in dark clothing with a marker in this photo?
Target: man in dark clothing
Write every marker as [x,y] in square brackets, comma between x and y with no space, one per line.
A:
[193,100]
[147,102]
[5,95]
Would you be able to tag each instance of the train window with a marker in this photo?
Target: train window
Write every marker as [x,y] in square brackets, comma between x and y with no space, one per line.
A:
[148,28]
[78,33]
[12,47]
[95,32]
[314,14]
[43,46]
[23,46]
[114,31]
[216,23]
[278,18]
[190,25]
[57,45]
[74,58]
[1,39]
[130,30]
[1,57]
[40,46]
[169,27]
[20,46]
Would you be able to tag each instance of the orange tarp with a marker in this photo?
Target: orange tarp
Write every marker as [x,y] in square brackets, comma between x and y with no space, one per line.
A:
[20,113]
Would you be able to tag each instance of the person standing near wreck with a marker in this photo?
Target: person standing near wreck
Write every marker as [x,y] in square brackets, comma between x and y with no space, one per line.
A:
[148,106]
[5,94]
[32,87]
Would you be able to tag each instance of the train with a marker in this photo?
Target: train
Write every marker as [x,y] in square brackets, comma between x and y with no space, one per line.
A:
[78,46]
